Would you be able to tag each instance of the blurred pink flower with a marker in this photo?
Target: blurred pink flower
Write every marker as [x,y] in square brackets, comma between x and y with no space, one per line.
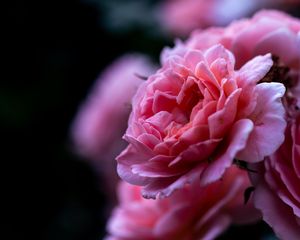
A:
[268,31]
[102,118]
[277,192]
[180,17]
[183,16]
[192,212]
[195,115]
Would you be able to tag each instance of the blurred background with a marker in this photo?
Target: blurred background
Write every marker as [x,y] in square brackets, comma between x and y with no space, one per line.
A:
[53,51]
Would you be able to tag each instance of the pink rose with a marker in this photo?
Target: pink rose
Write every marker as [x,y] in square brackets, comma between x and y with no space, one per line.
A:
[195,115]
[102,118]
[277,192]
[192,212]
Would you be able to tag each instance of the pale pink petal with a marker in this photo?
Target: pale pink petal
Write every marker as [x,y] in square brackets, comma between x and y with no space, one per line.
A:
[254,70]
[269,123]
[282,43]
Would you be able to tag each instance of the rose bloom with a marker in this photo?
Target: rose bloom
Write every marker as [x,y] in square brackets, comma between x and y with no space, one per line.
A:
[192,212]
[101,120]
[195,115]
[277,192]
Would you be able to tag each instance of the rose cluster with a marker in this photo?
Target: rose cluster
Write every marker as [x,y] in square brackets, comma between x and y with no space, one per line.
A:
[213,135]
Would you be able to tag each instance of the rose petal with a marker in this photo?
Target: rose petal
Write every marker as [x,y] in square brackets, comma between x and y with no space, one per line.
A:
[269,123]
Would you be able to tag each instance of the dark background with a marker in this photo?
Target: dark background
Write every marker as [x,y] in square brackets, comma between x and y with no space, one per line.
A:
[52,52]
